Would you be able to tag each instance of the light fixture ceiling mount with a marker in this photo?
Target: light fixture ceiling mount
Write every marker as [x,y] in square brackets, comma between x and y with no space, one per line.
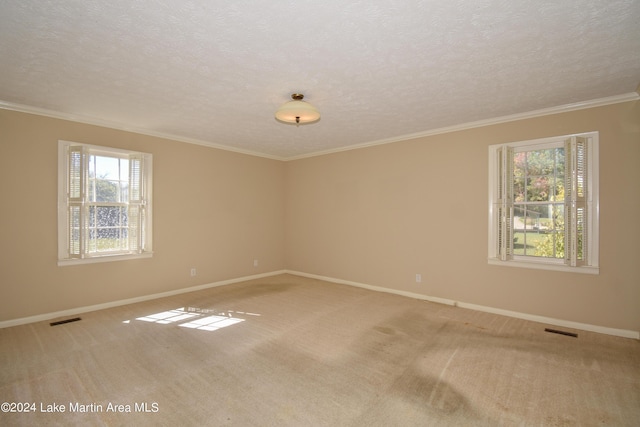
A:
[297,111]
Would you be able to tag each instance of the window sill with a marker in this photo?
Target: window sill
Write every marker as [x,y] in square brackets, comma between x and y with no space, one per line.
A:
[105,258]
[538,265]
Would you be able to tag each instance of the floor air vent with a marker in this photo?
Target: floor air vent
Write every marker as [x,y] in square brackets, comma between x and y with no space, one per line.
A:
[62,322]
[556,331]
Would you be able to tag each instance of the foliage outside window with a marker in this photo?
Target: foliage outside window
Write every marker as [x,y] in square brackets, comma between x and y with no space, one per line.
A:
[543,203]
[104,204]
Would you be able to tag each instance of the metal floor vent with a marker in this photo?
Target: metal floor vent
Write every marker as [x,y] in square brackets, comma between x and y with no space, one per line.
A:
[62,322]
[556,331]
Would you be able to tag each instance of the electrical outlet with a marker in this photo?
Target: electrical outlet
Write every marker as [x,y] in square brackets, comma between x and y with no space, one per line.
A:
[193,272]
[255,262]
[418,278]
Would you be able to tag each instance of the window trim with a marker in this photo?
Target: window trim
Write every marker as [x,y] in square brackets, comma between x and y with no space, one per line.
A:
[63,253]
[592,266]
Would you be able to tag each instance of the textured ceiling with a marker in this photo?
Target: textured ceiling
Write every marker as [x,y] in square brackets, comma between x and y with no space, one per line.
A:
[214,72]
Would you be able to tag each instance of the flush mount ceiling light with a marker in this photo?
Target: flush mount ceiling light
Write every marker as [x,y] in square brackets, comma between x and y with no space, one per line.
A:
[297,111]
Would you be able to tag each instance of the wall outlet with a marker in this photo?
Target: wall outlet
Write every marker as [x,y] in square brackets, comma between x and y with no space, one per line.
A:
[193,272]
[418,278]
[255,262]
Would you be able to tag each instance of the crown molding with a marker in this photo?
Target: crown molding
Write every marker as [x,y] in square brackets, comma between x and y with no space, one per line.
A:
[632,96]
[119,126]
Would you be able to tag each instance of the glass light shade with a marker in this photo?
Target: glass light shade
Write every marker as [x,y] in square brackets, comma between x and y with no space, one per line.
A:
[297,111]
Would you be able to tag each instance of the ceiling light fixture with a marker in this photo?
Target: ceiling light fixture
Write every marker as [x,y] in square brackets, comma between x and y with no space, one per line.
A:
[297,111]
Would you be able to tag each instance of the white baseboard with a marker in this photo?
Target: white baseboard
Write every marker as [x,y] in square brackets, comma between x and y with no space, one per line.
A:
[80,310]
[534,318]
[525,316]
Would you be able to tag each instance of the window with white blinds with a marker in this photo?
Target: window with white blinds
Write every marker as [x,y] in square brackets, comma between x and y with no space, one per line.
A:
[104,204]
[543,203]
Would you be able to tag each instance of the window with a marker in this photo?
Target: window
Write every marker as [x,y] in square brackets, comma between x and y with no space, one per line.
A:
[104,204]
[543,203]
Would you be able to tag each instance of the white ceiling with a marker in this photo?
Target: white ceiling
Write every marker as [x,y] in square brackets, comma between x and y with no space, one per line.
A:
[214,72]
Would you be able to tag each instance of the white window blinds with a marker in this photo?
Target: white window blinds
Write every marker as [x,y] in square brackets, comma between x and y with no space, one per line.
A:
[576,196]
[136,203]
[76,196]
[505,202]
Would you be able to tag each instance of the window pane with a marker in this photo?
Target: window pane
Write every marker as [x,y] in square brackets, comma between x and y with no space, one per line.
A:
[539,188]
[124,170]
[106,239]
[74,230]
[541,162]
[551,242]
[539,177]
[539,230]
[527,222]
[106,191]
[92,166]
[519,220]
[107,167]
[519,176]
[558,189]
[107,176]
[107,216]
[108,228]
[519,189]
[124,192]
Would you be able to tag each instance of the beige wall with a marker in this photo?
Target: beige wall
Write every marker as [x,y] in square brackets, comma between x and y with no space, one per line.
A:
[380,215]
[214,210]
[376,216]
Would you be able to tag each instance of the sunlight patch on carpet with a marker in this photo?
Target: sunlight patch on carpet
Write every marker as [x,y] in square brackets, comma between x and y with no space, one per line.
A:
[196,318]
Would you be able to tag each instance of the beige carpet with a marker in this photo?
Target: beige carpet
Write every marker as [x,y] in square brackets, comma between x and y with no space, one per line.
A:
[291,351]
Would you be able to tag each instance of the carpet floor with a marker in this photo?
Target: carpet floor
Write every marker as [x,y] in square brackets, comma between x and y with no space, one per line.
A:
[293,351]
